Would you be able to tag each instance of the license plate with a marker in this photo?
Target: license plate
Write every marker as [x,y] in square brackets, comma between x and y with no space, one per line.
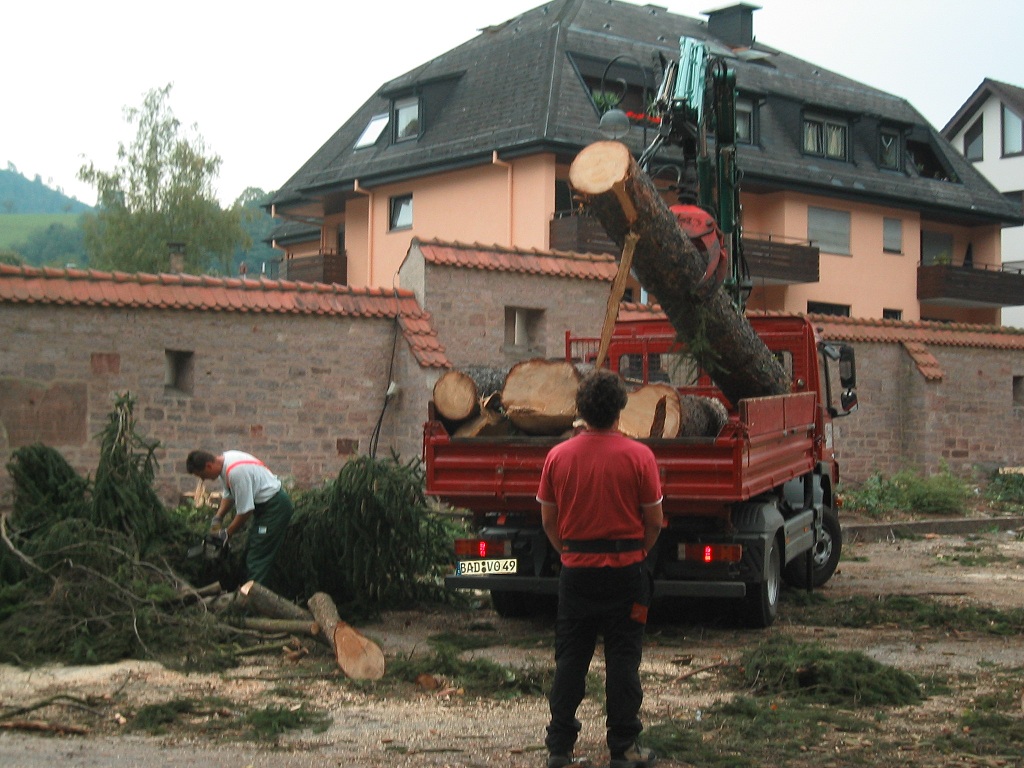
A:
[484,567]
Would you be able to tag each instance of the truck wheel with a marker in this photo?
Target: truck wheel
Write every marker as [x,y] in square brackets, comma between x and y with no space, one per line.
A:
[825,555]
[762,600]
[510,605]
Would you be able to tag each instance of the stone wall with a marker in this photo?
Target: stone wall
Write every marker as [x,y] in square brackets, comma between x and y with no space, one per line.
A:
[301,392]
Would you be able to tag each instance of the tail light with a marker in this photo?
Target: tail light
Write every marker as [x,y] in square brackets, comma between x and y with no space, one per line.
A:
[482,548]
[712,553]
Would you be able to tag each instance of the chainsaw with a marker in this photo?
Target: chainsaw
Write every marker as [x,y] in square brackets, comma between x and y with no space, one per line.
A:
[212,547]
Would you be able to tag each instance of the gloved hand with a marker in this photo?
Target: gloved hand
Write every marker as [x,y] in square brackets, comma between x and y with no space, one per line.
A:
[216,525]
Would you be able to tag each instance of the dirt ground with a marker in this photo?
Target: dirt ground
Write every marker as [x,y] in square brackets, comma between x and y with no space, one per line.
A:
[399,723]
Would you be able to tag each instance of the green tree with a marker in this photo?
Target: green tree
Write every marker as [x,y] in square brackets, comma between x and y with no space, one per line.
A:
[57,245]
[160,192]
[258,257]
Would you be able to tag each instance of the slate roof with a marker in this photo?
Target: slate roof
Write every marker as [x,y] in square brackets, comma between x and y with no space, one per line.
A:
[516,89]
[915,337]
[495,258]
[91,288]
[1011,95]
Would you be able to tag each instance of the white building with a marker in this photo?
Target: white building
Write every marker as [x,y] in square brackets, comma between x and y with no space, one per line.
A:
[989,130]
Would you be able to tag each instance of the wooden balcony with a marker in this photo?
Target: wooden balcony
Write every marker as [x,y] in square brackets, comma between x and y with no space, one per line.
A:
[326,267]
[780,261]
[978,286]
[772,260]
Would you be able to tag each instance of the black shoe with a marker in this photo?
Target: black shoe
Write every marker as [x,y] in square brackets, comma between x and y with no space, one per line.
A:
[565,761]
[634,757]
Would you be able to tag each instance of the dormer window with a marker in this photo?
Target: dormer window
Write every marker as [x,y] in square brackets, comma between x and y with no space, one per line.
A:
[372,131]
[746,121]
[407,119]
[889,149]
[826,137]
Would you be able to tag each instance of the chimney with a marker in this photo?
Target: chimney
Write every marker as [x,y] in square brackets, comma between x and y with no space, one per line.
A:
[733,25]
[177,257]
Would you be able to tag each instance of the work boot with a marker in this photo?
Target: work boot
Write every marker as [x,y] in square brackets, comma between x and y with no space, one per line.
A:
[634,757]
[565,761]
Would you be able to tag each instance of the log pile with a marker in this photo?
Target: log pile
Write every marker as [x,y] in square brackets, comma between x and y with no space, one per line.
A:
[539,398]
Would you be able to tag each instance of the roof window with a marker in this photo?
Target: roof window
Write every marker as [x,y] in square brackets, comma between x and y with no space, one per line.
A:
[372,131]
[407,119]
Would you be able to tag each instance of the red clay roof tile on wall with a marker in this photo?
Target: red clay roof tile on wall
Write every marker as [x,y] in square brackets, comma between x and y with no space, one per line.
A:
[29,285]
[495,257]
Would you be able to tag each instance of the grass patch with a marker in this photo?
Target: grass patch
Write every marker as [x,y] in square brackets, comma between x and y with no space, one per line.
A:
[1006,492]
[901,610]
[478,677]
[269,723]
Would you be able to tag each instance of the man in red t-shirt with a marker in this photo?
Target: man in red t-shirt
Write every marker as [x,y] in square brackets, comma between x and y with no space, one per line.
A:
[600,497]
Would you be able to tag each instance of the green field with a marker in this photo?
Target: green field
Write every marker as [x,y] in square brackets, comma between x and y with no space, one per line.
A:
[16,228]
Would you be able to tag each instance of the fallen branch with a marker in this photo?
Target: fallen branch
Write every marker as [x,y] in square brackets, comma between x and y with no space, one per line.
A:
[60,698]
[41,726]
[267,603]
[282,626]
[15,551]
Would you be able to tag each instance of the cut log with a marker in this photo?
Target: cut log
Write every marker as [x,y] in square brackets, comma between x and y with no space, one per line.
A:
[455,397]
[651,411]
[701,416]
[540,396]
[286,626]
[358,656]
[488,424]
[265,602]
[666,263]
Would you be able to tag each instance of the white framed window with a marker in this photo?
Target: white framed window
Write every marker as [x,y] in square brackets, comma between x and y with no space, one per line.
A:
[889,149]
[372,131]
[892,235]
[829,229]
[407,119]
[826,137]
[746,132]
[400,212]
[1013,132]
[974,149]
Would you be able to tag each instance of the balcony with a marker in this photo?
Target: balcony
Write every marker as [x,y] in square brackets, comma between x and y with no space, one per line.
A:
[775,260]
[772,260]
[983,285]
[324,267]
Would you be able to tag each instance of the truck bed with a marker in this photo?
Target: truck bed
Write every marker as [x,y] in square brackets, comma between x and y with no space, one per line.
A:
[767,441]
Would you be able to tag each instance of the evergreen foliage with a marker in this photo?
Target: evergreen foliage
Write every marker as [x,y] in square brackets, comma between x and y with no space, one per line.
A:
[368,539]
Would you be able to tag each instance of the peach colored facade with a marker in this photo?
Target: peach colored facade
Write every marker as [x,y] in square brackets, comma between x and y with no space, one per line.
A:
[510,203]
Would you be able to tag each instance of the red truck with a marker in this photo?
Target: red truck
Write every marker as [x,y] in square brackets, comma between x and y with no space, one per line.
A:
[743,510]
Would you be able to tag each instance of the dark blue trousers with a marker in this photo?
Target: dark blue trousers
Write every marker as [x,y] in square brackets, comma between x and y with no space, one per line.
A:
[593,602]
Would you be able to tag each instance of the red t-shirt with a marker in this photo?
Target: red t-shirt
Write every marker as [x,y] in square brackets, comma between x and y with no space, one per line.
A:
[599,480]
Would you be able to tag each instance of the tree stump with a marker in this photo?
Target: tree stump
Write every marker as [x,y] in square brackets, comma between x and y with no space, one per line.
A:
[717,334]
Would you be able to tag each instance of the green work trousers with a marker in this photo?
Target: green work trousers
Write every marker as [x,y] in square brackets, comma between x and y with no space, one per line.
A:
[269,526]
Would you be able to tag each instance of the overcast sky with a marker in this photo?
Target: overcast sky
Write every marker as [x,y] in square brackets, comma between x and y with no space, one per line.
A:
[267,83]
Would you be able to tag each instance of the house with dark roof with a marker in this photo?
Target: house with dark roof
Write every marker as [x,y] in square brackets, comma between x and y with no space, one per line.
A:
[988,130]
[853,204]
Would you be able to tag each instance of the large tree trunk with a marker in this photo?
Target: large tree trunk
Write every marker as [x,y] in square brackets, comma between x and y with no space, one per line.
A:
[358,656]
[455,397]
[625,199]
[265,602]
[540,396]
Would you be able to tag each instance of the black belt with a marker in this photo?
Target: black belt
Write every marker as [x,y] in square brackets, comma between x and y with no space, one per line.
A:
[602,546]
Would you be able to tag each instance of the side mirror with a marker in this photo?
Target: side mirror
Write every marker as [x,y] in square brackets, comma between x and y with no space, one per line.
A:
[847,370]
[848,401]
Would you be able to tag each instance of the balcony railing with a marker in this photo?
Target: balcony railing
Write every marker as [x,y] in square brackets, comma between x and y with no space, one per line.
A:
[978,286]
[325,267]
[772,260]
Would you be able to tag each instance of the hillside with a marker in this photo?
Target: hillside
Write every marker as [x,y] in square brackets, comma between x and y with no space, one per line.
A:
[20,195]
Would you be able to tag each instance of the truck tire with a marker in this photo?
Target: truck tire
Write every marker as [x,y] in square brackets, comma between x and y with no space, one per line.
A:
[510,605]
[825,555]
[761,604]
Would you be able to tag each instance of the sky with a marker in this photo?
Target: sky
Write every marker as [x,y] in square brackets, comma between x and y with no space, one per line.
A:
[265,84]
